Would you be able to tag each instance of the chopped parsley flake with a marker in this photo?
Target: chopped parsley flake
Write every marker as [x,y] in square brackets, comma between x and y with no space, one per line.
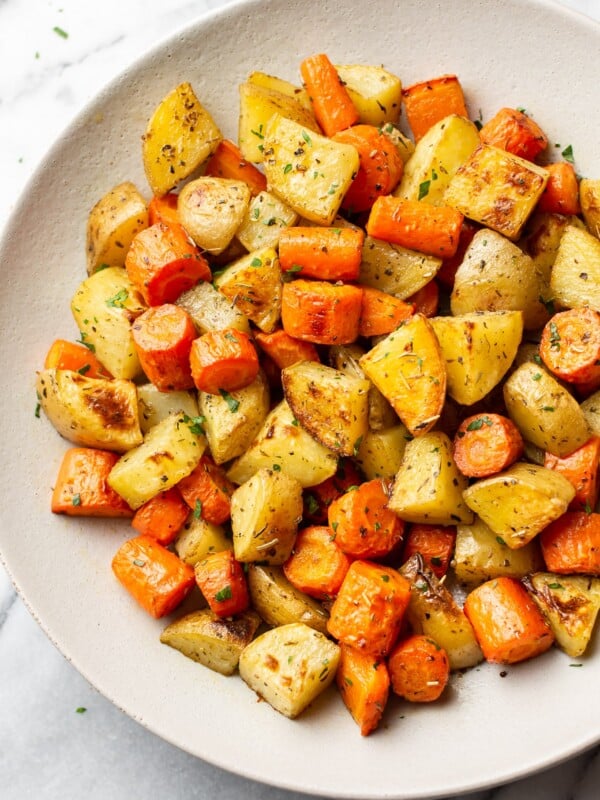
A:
[232,403]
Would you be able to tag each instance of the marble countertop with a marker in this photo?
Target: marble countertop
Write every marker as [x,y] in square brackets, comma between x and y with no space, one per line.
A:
[59,738]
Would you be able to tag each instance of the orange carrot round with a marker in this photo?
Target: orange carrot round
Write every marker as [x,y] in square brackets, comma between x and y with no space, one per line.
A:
[207,491]
[380,166]
[363,525]
[321,312]
[223,361]
[515,132]
[228,162]
[570,345]
[163,208]
[284,349]
[318,498]
[364,685]
[153,575]
[581,469]
[435,543]
[332,106]
[381,313]
[507,623]
[81,488]
[162,517]
[486,444]
[419,669]
[317,566]
[561,195]
[75,357]
[329,254]
[221,580]
[433,230]
[163,262]
[571,544]
[163,337]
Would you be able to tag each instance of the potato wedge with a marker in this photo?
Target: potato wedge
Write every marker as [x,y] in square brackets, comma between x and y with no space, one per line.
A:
[480,555]
[375,92]
[265,512]
[590,408]
[282,441]
[155,405]
[290,666]
[210,640]
[438,154]
[518,503]
[545,413]
[478,350]
[199,538]
[306,170]
[495,275]
[283,87]
[104,306]
[230,433]
[280,603]
[210,310]
[331,405]
[409,370]
[90,412]
[404,145]
[169,452]
[380,453]
[497,188]
[265,218]
[575,278]
[252,284]
[428,486]
[212,209]
[570,604]
[180,136]
[113,222]
[433,611]
[394,269]
[258,103]
[589,197]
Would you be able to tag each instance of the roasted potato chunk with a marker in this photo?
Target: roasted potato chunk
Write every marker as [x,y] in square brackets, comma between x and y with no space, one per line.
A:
[279,603]
[395,269]
[212,209]
[575,277]
[199,538]
[518,503]
[265,218]
[112,224]
[329,404]
[283,87]
[212,641]
[180,136]
[90,412]
[380,453]
[210,310]
[155,405]
[265,512]
[253,285]
[290,666]
[589,197]
[375,92]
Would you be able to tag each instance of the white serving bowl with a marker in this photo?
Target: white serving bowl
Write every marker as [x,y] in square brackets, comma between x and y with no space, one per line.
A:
[488,729]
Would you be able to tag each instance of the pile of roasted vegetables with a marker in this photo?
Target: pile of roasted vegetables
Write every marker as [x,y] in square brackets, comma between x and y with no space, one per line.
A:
[344,383]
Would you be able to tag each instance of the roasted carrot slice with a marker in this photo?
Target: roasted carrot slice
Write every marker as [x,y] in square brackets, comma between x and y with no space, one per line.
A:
[381,313]
[486,444]
[561,195]
[433,230]
[75,357]
[363,525]
[207,491]
[318,498]
[570,345]
[162,517]
[515,132]
[430,101]
[163,208]
[364,684]
[329,254]
[321,312]
[163,262]
[507,623]
[82,489]
[228,162]
[571,544]
[427,300]
[221,580]
[435,543]
[223,361]
[580,468]
[332,106]
[284,350]
[380,166]
[369,609]
[419,669]
[317,566]
[163,337]
[153,575]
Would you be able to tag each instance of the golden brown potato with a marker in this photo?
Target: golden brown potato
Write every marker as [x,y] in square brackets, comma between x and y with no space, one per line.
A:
[279,603]
[210,310]
[212,209]
[155,405]
[394,269]
[112,224]
[200,538]
[575,278]
[265,218]
[375,92]
[380,453]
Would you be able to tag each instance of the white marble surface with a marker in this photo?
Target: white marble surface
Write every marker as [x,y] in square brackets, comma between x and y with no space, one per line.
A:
[54,56]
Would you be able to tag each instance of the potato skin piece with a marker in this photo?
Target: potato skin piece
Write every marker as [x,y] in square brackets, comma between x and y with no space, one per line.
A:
[279,603]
